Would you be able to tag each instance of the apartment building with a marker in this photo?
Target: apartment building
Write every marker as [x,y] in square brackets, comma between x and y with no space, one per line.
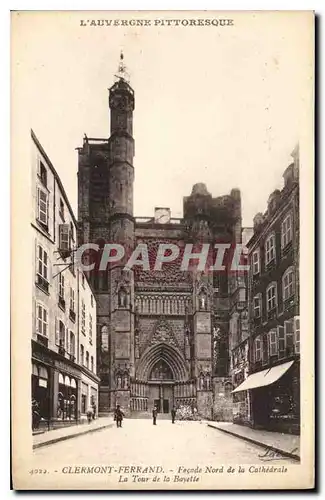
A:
[64,308]
[273,305]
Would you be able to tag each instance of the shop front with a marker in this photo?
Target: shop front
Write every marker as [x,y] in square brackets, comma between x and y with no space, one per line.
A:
[66,384]
[67,398]
[41,401]
[89,394]
[241,406]
[275,398]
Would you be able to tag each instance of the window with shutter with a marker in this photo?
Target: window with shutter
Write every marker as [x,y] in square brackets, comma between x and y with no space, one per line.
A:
[286,231]
[271,296]
[42,320]
[43,173]
[287,284]
[42,264]
[288,328]
[273,343]
[257,302]
[61,286]
[258,350]
[42,204]
[270,249]
[62,334]
[64,237]
[265,352]
[297,334]
[256,262]
[57,332]
[72,344]
[281,342]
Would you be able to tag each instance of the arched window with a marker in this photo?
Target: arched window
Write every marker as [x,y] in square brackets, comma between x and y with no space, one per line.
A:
[271,296]
[288,284]
[257,305]
[270,248]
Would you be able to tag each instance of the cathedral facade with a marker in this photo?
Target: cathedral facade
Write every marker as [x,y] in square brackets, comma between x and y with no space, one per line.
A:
[162,333]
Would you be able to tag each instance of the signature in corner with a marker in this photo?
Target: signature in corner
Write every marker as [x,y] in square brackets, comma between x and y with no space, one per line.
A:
[271,454]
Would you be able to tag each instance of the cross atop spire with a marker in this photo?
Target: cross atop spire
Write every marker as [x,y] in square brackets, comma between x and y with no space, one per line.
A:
[122,73]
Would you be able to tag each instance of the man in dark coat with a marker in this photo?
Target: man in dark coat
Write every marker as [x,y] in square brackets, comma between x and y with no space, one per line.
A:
[173,413]
[154,415]
[118,416]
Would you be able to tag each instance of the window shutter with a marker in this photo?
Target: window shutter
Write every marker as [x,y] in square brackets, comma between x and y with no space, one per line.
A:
[297,334]
[64,237]
[57,331]
[281,342]
[265,349]
[67,340]
[288,327]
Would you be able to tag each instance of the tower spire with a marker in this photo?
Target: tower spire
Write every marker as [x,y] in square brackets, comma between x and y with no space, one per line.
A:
[122,73]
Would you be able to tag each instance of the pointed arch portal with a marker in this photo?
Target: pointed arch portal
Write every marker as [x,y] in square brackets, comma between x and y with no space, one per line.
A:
[166,353]
[162,366]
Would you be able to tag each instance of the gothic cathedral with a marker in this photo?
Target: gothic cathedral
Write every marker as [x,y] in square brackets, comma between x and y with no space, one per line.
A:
[162,334]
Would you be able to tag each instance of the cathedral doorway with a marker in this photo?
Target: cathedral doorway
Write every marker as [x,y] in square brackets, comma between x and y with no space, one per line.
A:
[161,387]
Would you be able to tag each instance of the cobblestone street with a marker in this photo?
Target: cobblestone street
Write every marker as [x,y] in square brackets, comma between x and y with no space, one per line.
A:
[141,443]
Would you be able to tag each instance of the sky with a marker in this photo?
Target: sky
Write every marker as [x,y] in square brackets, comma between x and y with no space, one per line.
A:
[219,105]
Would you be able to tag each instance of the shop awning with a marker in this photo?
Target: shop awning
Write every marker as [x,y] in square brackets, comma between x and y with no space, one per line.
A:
[264,377]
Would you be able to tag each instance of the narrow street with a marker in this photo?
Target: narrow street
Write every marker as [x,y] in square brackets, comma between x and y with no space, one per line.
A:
[141,443]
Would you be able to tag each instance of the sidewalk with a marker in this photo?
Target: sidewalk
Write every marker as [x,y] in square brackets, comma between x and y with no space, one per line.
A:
[286,444]
[56,435]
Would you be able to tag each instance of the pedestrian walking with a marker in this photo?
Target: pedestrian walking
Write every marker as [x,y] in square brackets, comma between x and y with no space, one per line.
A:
[118,416]
[154,415]
[89,414]
[36,416]
[94,410]
[173,414]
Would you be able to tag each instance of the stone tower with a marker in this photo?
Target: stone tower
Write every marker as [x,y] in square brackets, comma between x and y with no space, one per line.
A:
[105,213]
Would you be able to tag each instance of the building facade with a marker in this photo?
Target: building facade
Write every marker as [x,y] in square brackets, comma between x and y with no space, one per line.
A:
[273,383]
[162,333]
[60,292]
[239,339]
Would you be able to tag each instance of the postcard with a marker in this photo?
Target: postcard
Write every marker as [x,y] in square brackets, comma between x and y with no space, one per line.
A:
[162,250]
